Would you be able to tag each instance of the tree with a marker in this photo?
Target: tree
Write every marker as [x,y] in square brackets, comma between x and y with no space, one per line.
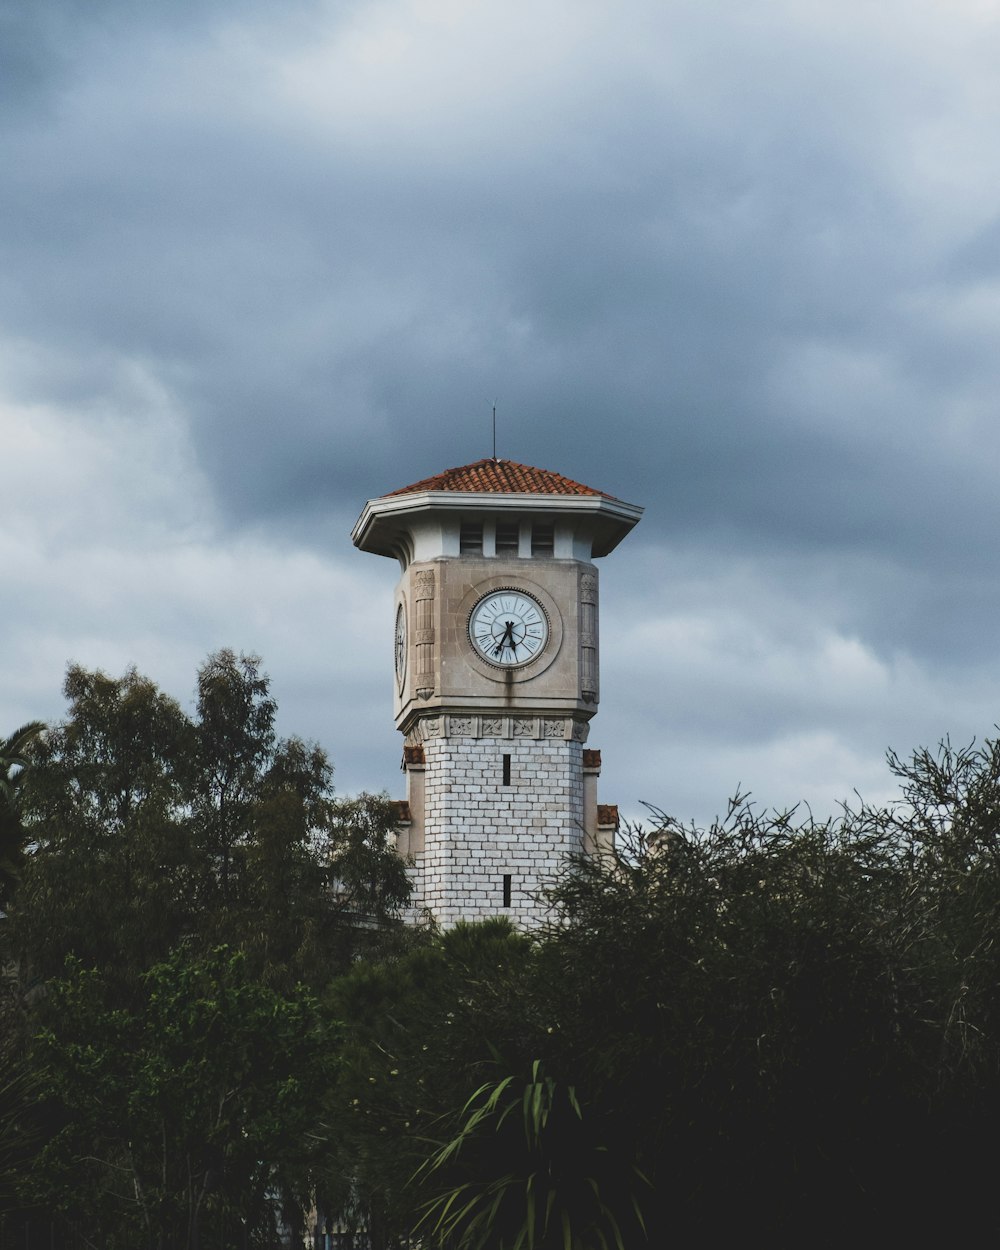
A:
[234,746]
[160,839]
[790,1026]
[20,1091]
[19,1085]
[13,762]
[111,872]
[748,986]
[369,877]
[194,1105]
[796,1016]
[151,827]
[417,1033]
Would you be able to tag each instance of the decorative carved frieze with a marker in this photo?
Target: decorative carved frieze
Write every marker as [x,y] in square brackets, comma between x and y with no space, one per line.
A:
[546,728]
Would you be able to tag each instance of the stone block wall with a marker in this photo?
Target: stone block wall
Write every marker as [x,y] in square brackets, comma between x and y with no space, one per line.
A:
[486,822]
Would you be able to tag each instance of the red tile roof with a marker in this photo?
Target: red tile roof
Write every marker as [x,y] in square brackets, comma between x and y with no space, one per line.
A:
[501,477]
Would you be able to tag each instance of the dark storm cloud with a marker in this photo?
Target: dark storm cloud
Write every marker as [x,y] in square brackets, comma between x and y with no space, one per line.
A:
[737,264]
[640,265]
[637,264]
[44,45]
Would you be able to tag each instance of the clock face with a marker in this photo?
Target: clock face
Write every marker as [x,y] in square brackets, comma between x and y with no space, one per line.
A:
[400,644]
[508,627]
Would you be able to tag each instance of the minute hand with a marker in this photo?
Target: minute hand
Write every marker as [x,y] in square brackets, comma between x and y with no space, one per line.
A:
[507,640]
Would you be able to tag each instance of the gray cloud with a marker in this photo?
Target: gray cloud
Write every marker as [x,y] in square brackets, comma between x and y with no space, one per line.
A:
[739,266]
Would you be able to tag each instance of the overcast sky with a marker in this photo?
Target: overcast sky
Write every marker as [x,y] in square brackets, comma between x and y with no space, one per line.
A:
[738,262]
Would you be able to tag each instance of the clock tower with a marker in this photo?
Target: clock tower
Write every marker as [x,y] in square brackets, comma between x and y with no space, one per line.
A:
[496,679]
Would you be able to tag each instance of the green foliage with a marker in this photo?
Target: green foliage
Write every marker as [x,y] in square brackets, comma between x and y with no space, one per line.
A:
[196,872]
[152,827]
[233,749]
[20,1091]
[419,1032]
[369,876]
[777,1025]
[787,1025]
[113,873]
[13,836]
[796,1016]
[187,1109]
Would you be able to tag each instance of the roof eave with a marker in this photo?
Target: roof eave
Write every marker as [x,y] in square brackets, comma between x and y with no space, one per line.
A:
[374,529]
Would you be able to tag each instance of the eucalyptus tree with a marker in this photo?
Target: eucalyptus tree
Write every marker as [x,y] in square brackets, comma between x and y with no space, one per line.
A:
[150,826]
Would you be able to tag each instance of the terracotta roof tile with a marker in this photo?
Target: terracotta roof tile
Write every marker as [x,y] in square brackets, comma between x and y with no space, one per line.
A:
[501,477]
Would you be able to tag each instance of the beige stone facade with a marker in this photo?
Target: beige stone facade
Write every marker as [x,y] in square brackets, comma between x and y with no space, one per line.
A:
[444,673]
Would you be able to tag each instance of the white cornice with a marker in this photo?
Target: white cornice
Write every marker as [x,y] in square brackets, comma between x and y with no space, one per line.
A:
[381,520]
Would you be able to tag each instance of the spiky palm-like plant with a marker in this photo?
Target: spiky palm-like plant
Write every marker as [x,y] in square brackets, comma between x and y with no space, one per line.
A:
[527,1171]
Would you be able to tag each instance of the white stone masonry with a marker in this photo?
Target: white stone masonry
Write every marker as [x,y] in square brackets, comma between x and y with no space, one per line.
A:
[480,830]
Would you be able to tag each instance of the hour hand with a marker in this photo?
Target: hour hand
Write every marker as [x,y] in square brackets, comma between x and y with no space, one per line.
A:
[507,639]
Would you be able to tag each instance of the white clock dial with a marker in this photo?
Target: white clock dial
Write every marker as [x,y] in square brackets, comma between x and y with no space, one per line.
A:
[400,643]
[508,627]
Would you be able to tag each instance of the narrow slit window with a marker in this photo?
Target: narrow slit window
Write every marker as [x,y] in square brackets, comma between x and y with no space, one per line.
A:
[506,889]
[470,540]
[506,770]
[508,538]
[542,538]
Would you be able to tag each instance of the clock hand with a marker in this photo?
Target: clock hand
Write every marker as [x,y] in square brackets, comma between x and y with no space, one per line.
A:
[507,633]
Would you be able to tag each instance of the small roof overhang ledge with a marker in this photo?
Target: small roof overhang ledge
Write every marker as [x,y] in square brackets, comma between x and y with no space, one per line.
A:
[382,527]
